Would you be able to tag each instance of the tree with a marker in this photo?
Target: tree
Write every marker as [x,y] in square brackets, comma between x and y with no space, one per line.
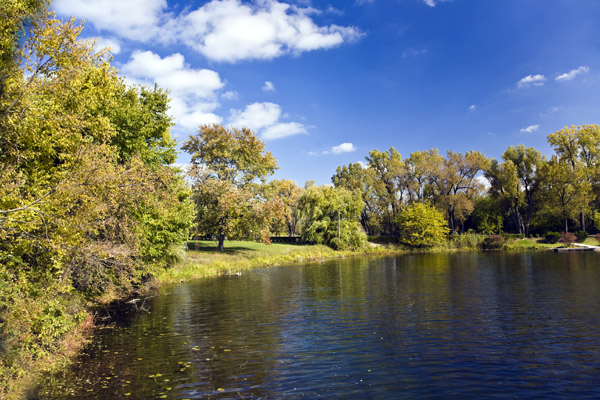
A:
[388,183]
[289,193]
[421,167]
[456,186]
[226,164]
[355,177]
[579,147]
[331,216]
[421,225]
[567,190]
[88,204]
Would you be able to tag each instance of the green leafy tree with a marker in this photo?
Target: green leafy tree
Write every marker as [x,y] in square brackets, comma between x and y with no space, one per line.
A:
[421,225]
[355,177]
[331,216]
[226,166]
[456,186]
[85,204]
[579,147]
[388,173]
[567,190]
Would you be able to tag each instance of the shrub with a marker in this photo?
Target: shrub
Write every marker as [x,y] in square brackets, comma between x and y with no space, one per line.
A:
[568,238]
[492,242]
[552,237]
[421,225]
[598,237]
[581,236]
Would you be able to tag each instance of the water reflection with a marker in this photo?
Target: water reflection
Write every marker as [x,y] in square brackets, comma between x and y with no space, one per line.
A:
[462,325]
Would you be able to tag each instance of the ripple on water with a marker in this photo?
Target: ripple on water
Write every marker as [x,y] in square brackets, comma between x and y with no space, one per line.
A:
[433,326]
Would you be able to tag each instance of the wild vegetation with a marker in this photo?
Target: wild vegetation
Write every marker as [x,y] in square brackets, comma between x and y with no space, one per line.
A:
[92,208]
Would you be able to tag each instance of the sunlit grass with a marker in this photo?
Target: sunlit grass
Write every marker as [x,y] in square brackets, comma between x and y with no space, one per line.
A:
[239,256]
[529,244]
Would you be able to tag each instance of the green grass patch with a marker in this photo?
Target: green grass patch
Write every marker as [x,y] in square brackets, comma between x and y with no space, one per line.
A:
[530,244]
[205,261]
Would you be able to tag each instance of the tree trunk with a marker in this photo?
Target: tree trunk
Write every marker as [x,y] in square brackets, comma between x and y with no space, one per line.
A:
[221,241]
[582,220]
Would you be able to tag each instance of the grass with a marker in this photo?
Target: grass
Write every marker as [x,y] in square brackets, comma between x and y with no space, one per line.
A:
[530,244]
[206,261]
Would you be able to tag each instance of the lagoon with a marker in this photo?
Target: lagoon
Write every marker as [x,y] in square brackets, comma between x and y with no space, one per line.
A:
[463,325]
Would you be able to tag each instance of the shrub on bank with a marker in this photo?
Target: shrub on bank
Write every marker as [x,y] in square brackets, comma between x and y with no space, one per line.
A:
[568,238]
[552,237]
[492,242]
[581,236]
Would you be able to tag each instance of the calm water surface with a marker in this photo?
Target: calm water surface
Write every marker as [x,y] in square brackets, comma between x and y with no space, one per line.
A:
[472,325]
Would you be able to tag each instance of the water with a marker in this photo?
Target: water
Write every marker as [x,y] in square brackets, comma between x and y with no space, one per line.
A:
[471,325]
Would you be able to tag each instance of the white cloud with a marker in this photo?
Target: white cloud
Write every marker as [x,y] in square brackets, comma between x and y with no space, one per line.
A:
[282,130]
[567,76]
[265,119]
[230,95]
[530,129]
[472,107]
[268,86]
[433,3]
[343,148]
[113,44]
[531,80]
[227,30]
[132,19]
[193,92]
[256,116]
[221,30]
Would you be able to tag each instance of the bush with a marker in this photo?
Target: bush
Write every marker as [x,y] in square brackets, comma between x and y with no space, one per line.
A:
[492,242]
[568,238]
[581,236]
[598,237]
[421,225]
[552,237]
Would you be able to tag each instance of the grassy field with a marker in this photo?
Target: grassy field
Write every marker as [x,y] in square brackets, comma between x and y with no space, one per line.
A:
[206,261]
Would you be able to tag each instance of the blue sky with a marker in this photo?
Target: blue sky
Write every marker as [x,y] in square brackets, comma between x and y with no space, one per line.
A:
[325,82]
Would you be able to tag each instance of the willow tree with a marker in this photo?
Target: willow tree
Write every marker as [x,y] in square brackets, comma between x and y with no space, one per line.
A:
[355,177]
[330,216]
[226,166]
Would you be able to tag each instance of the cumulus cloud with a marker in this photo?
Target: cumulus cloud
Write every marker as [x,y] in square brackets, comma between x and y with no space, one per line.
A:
[132,19]
[343,148]
[531,80]
[193,92]
[221,30]
[472,107]
[268,86]
[530,128]
[230,31]
[567,76]
[265,119]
